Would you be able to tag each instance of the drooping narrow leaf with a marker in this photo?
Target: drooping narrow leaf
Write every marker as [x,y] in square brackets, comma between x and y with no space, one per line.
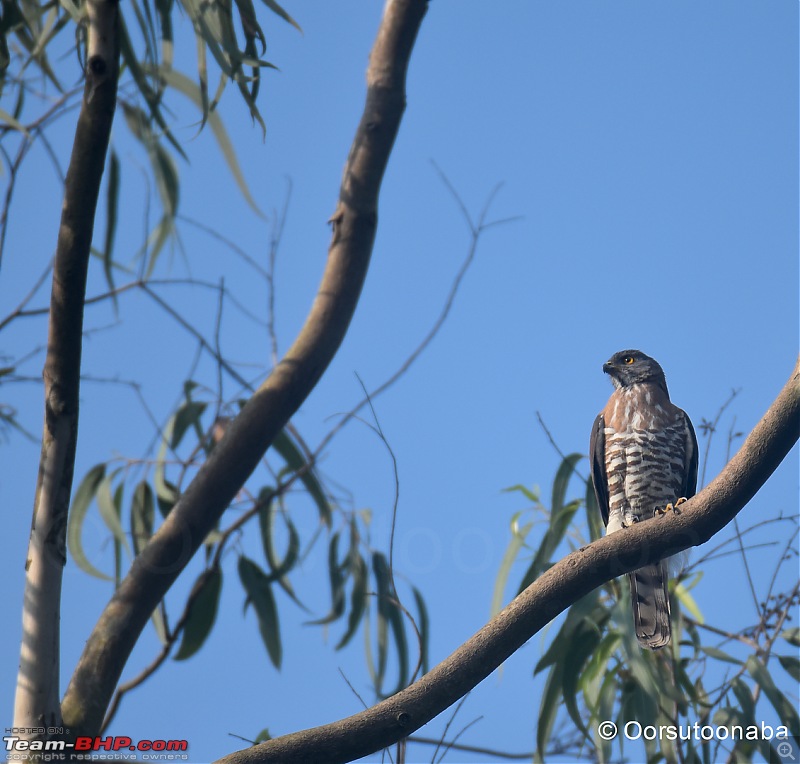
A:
[26,29]
[118,496]
[423,626]
[146,29]
[745,700]
[649,689]
[688,602]
[151,97]
[792,636]
[252,32]
[80,506]
[593,518]
[548,709]
[202,612]
[202,79]
[559,522]
[112,205]
[358,600]
[720,655]
[142,516]
[110,509]
[598,661]
[784,708]
[167,493]
[605,708]
[266,519]
[259,593]
[792,665]
[164,10]
[188,415]
[531,494]
[165,174]
[383,586]
[368,651]
[584,640]
[692,691]
[158,620]
[295,460]
[338,580]
[390,610]
[275,8]
[563,475]
[555,652]
[518,536]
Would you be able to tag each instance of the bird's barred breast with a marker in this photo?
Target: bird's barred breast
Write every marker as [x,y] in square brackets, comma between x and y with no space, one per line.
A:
[644,470]
[645,441]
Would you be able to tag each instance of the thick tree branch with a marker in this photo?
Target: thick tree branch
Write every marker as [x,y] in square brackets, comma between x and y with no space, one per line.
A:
[269,409]
[552,593]
[36,703]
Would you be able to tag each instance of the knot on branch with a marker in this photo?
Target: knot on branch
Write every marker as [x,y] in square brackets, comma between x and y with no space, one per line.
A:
[97,66]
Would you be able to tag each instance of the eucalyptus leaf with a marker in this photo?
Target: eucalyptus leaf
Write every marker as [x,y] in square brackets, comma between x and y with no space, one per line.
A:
[202,612]
[783,706]
[259,594]
[358,600]
[81,501]
[295,460]
[111,509]
[142,516]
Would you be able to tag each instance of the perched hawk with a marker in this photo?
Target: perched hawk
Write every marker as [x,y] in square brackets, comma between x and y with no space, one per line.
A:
[644,461]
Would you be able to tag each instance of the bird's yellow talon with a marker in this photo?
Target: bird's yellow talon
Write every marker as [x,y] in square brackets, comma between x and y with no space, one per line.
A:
[674,507]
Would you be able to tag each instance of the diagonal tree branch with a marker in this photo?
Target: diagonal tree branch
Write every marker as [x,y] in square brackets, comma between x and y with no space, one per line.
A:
[37,697]
[562,585]
[249,435]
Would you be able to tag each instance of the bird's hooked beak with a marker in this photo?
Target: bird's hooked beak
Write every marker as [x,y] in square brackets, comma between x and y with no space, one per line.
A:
[611,369]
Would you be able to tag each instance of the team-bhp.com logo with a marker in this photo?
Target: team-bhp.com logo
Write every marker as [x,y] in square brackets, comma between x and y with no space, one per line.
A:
[21,748]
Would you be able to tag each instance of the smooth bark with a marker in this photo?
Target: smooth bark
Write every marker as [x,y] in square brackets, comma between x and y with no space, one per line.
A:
[36,706]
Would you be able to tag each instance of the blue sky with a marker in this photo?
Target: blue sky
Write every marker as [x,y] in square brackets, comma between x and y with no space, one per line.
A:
[650,152]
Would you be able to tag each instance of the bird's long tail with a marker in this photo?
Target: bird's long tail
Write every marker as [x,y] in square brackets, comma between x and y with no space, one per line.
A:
[650,600]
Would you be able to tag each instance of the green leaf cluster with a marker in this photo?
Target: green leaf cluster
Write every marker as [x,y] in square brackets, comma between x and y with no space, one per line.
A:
[132,499]
[33,33]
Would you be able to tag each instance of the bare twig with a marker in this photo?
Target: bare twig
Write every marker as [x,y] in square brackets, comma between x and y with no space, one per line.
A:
[35,130]
[477,228]
[713,552]
[728,635]
[353,689]
[235,248]
[709,428]
[20,309]
[785,555]
[556,447]
[743,555]
[450,721]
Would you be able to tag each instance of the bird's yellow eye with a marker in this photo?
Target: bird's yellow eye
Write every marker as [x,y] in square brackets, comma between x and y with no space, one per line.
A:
[628,360]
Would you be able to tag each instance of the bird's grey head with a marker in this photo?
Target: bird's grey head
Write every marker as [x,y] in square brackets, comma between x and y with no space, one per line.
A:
[632,367]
